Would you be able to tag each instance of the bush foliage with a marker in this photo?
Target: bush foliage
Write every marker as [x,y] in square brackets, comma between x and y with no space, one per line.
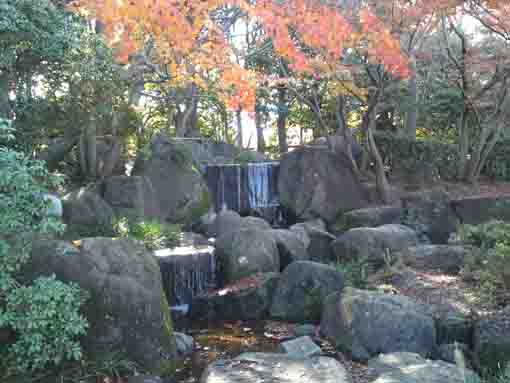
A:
[491,259]
[153,234]
[408,155]
[44,316]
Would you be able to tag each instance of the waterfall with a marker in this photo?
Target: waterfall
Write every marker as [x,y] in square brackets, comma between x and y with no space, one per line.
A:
[244,188]
[186,271]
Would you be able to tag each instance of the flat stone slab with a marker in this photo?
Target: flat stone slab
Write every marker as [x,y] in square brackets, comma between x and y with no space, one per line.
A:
[302,347]
[275,368]
[404,367]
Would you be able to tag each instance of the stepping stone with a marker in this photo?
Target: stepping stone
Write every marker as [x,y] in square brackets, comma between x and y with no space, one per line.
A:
[257,367]
[302,347]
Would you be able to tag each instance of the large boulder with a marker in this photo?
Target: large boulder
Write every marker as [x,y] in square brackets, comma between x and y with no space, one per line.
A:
[430,213]
[479,209]
[272,368]
[131,196]
[317,239]
[444,258]
[370,217]
[228,221]
[127,309]
[316,182]
[370,245]
[364,324]
[290,247]
[491,340]
[247,299]
[302,289]
[85,208]
[245,252]
[180,191]
[405,367]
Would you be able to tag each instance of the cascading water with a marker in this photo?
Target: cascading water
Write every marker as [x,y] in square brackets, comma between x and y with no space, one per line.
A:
[187,271]
[247,189]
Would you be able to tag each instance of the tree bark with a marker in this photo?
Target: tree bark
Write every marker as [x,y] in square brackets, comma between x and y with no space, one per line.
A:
[382,185]
[259,126]
[281,122]
[343,133]
[412,114]
[239,138]
[5,107]
[88,150]
[184,119]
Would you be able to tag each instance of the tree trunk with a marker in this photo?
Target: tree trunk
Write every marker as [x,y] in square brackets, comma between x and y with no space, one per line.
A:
[281,122]
[343,133]
[5,108]
[412,114]
[382,185]
[463,144]
[184,119]
[259,126]
[107,165]
[57,152]
[88,150]
[239,139]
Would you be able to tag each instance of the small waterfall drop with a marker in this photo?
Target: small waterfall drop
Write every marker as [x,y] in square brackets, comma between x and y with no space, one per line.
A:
[187,271]
[245,188]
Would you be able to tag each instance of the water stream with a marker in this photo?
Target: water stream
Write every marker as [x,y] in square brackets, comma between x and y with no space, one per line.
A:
[249,189]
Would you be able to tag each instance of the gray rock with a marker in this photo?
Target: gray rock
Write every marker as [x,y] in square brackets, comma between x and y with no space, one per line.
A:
[301,290]
[305,330]
[127,309]
[145,379]
[244,253]
[180,191]
[491,340]
[365,323]
[184,344]
[254,223]
[55,208]
[245,300]
[302,347]
[226,221]
[403,367]
[453,352]
[477,210]
[275,368]
[430,214]
[84,207]
[388,362]
[315,182]
[319,240]
[229,221]
[131,196]
[371,244]
[290,247]
[371,217]
[454,327]
[445,258]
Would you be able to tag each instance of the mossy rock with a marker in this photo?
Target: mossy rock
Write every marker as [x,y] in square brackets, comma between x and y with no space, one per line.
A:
[127,310]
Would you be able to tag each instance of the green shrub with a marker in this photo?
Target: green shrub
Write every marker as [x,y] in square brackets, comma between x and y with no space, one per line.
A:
[491,259]
[44,316]
[45,335]
[355,273]
[246,156]
[153,234]
[409,154]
